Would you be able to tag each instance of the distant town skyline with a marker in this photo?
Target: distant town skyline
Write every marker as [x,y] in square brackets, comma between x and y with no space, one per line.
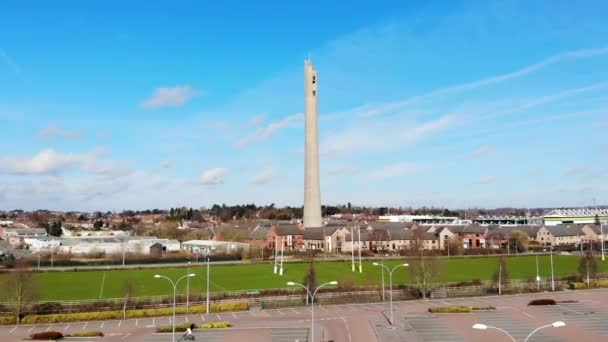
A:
[111,106]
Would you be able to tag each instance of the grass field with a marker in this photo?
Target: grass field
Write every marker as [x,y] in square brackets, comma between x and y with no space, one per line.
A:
[71,285]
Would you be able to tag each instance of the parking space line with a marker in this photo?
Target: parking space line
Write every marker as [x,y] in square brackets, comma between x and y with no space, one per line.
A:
[218,315]
[67,326]
[10,332]
[48,328]
[30,329]
[202,317]
[281,313]
[101,326]
[324,309]
[294,311]
[153,321]
[234,315]
[120,323]
[136,322]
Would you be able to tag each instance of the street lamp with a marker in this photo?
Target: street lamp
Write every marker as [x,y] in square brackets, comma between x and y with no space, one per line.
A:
[312,305]
[174,285]
[553,325]
[552,274]
[480,326]
[188,290]
[103,280]
[390,282]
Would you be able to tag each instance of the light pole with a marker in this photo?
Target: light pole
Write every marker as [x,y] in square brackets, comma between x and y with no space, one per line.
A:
[282,254]
[537,275]
[276,252]
[188,290]
[480,326]
[552,274]
[553,325]
[174,285]
[382,264]
[602,239]
[352,248]
[360,265]
[103,281]
[390,282]
[208,269]
[312,305]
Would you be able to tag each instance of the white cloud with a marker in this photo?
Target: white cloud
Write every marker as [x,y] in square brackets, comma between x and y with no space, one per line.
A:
[483,151]
[52,131]
[392,171]
[342,170]
[264,177]
[170,96]
[213,176]
[44,162]
[256,120]
[577,171]
[487,179]
[382,135]
[268,131]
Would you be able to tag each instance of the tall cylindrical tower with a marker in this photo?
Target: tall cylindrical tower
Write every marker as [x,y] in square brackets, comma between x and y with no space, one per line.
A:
[312,192]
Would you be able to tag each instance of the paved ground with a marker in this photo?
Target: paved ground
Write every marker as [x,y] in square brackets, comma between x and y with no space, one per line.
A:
[368,322]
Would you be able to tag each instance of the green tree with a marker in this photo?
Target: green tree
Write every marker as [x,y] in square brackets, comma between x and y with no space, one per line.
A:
[587,267]
[501,275]
[519,240]
[310,280]
[424,271]
[97,225]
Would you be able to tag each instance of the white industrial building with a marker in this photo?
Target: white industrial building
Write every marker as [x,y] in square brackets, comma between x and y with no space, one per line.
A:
[106,245]
[211,247]
[577,216]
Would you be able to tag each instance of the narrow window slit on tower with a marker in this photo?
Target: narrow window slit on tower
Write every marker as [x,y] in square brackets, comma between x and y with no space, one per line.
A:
[314,79]
[314,93]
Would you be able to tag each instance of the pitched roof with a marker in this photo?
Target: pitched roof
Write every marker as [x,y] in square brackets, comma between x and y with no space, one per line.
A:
[565,230]
[467,229]
[284,230]
[259,233]
[318,233]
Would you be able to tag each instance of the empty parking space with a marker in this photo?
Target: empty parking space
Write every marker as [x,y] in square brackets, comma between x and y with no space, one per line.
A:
[516,328]
[580,315]
[289,334]
[428,327]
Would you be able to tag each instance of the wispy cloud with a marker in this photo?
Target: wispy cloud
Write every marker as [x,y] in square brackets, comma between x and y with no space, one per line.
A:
[256,120]
[393,170]
[487,179]
[48,161]
[264,177]
[577,170]
[213,176]
[170,97]
[52,131]
[268,131]
[11,64]
[483,151]
[342,170]
[382,135]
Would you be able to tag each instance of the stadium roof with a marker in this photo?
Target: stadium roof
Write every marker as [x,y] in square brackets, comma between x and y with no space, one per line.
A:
[579,212]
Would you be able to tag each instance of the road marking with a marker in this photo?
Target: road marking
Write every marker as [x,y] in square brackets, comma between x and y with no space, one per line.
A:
[30,329]
[153,321]
[527,314]
[202,317]
[125,336]
[119,323]
[281,312]
[347,329]
[85,325]
[101,326]
[218,317]
[294,311]
[10,332]
[67,326]
[234,315]
[136,322]
[48,328]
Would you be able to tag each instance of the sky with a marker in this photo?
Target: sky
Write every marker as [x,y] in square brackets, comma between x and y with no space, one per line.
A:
[113,105]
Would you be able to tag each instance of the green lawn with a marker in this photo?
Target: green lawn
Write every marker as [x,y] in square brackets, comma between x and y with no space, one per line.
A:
[86,284]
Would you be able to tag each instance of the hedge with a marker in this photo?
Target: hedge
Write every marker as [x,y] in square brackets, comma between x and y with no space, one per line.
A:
[47,336]
[7,320]
[141,313]
[86,334]
[215,325]
[545,301]
[451,309]
[183,327]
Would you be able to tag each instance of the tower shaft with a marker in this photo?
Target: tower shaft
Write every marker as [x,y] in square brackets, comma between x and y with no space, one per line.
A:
[312,192]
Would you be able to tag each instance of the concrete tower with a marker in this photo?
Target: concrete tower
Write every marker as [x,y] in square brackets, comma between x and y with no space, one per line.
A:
[312,192]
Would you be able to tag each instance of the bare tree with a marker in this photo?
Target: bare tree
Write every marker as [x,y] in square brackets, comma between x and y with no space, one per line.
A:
[424,272]
[128,286]
[20,289]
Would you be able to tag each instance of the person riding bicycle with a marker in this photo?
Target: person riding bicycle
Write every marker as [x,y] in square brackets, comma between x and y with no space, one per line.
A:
[189,336]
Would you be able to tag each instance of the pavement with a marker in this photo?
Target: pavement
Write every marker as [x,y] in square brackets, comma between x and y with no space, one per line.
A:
[369,322]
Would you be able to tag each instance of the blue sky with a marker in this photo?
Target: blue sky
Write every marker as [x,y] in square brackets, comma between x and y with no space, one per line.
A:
[106,105]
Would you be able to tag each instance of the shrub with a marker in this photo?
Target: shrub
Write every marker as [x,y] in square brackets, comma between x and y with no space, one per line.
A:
[542,302]
[599,283]
[215,325]
[47,336]
[178,328]
[6,320]
[86,334]
[483,308]
[451,309]
[577,286]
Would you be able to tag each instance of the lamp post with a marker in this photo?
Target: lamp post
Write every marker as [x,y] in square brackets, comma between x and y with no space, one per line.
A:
[390,282]
[480,326]
[174,285]
[312,305]
[552,274]
[537,275]
[352,248]
[188,290]
[553,325]
[103,281]
[208,269]
[602,239]
[360,265]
